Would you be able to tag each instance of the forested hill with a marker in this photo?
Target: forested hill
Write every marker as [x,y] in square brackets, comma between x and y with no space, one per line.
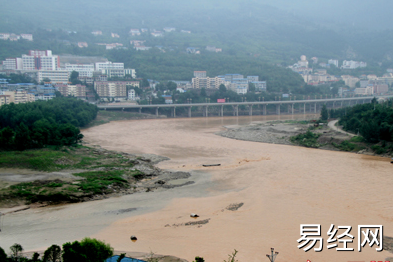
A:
[373,121]
[238,27]
[41,123]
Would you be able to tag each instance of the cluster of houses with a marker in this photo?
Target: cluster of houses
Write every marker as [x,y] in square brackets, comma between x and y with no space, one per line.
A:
[15,37]
[43,65]
[363,85]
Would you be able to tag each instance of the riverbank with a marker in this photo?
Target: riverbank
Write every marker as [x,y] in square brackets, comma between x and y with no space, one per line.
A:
[285,132]
[42,177]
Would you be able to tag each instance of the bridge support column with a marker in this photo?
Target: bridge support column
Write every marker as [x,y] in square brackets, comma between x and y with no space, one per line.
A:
[264,110]
[278,110]
[236,110]
[122,109]
[222,110]
[293,108]
[189,111]
[206,111]
[304,111]
[140,110]
[250,112]
[289,109]
[334,103]
[315,108]
[157,111]
[174,112]
[341,104]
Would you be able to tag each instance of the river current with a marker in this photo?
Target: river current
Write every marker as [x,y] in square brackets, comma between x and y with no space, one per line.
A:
[281,187]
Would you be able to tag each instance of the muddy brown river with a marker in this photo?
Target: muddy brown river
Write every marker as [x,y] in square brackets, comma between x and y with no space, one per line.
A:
[281,187]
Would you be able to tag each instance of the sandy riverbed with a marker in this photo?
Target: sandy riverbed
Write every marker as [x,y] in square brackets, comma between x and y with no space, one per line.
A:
[281,187]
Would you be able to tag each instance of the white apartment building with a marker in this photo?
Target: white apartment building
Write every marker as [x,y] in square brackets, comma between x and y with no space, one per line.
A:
[207,82]
[333,62]
[59,76]
[131,94]
[13,63]
[84,70]
[200,74]
[40,60]
[111,89]
[108,65]
[118,72]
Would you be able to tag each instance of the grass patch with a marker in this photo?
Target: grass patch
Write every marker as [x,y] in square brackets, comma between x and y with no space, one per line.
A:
[38,159]
[308,139]
[348,146]
[357,139]
[98,182]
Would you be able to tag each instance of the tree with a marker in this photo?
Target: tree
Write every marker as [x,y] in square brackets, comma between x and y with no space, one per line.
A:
[199,259]
[35,257]
[222,88]
[231,258]
[171,86]
[324,113]
[52,254]
[74,78]
[3,255]
[95,250]
[251,87]
[16,250]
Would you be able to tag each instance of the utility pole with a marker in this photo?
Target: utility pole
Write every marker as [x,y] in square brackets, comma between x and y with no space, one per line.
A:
[273,255]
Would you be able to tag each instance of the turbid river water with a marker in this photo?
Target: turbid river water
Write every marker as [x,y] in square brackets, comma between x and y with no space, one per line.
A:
[281,187]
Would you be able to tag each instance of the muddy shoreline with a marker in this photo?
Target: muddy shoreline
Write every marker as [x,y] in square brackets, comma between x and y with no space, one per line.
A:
[280,132]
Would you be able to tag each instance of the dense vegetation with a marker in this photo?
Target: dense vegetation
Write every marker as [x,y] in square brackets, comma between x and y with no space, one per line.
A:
[38,124]
[373,121]
[87,250]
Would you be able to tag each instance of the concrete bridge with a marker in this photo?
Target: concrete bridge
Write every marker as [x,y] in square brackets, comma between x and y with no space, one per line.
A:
[303,106]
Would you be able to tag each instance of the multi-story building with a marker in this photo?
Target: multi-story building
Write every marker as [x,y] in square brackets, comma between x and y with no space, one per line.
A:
[108,65]
[40,60]
[111,89]
[5,99]
[207,82]
[200,74]
[23,96]
[364,91]
[350,80]
[84,70]
[352,64]
[59,76]
[259,85]
[333,62]
[79,91]
[28,37]
[12,64]
[252,78]
[118,72]
[131,94]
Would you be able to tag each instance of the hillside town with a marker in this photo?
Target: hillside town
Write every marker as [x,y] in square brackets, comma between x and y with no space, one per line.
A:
[108,81]
[363,85]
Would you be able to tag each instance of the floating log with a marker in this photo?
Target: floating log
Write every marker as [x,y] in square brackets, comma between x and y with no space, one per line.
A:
[212,165]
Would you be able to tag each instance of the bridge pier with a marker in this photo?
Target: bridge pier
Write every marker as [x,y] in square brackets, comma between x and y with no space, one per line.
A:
[235,110]
[157,111]
[140,110]
[278,109]
[293,108]
[315,108]
[189,111]
[222,110]
[341,104]
[304,111]
[250,110]
[206,111]
[174,112]
[264,110]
